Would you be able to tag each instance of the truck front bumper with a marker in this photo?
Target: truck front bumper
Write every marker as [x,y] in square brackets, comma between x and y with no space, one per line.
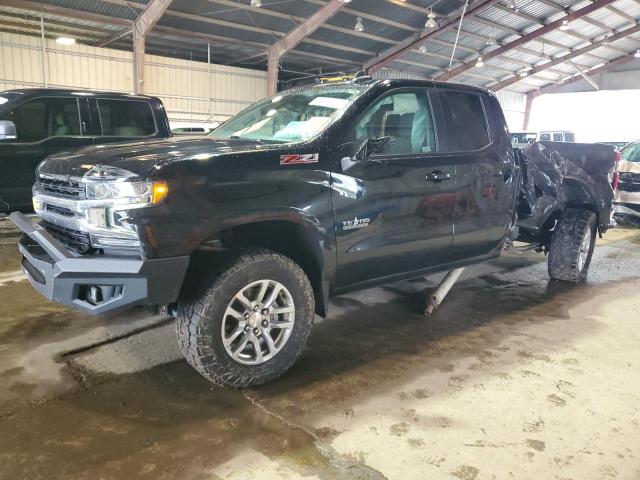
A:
[95,283]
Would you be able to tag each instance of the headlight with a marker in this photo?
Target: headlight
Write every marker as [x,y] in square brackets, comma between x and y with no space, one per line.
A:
[128,192]
[122,188]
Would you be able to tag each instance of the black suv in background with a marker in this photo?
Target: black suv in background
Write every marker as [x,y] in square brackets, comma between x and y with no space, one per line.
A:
[35,123]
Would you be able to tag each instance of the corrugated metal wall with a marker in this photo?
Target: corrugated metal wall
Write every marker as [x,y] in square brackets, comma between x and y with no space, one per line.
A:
[191,91]
[513,105]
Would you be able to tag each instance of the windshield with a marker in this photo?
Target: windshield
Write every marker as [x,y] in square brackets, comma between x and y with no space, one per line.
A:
[293,116]
[631,153]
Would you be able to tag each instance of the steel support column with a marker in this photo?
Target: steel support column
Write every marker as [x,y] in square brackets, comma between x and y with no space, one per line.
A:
[527,110]
[45,61]
[141,27]
[294,37]
[138,62]
[273,65]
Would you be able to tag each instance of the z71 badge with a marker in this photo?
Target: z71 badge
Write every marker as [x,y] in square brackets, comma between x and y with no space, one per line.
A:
[297,159]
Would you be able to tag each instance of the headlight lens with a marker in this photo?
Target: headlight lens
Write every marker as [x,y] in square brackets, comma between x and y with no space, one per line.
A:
[132,192]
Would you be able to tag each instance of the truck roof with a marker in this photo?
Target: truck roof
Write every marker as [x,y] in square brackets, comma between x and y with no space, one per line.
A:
[366,84]
[54,92]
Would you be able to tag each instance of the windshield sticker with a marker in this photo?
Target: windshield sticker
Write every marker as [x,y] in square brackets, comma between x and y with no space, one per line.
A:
[296,159]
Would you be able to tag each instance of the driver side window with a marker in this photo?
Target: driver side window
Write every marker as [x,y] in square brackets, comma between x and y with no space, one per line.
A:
[42,118]
[405,117]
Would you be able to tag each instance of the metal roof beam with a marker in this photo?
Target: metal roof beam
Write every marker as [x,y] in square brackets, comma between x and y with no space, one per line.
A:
[150,16]
[241,26]
[550,27]
[584,75]
[411,43]
[114,37]
[44,8]
[622,14]
[575,78]
[570,56]
[295,20]
[294,37]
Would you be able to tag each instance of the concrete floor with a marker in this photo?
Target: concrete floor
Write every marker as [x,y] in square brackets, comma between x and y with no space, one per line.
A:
[515,377]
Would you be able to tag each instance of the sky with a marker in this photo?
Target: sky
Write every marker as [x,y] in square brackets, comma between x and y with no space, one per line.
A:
[598,116]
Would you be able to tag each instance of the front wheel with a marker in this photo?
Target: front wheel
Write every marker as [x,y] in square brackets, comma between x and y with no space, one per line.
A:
[572,246]
[250,322]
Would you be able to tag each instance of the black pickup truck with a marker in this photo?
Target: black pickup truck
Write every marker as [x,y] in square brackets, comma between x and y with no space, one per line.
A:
[245,234]
[37,122]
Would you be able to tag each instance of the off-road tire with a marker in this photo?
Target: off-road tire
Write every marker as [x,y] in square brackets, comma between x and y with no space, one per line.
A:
[566,244]
[201,309]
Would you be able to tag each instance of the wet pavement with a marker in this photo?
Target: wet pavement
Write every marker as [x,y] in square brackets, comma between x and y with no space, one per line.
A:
[514,377]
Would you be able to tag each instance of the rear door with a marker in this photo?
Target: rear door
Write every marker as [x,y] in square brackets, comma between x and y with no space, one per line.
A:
[44,126]
[394,211]
[122,120]
[485,187]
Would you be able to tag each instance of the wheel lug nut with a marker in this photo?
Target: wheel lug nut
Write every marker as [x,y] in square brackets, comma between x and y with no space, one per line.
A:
[255,309]
[265,311]
[265,324]
[247,328]
[256,331]
[246,316]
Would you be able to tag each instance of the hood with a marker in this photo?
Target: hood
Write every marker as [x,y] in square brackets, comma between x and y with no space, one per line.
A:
[141,157]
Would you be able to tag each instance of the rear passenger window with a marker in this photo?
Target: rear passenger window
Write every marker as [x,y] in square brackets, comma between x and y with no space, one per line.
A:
[122,118]
[42,118]
[557,137]
[405,117]
[465,121]
[545,137]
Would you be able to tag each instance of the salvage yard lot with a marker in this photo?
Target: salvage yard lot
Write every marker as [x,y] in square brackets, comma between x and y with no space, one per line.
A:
[515,377]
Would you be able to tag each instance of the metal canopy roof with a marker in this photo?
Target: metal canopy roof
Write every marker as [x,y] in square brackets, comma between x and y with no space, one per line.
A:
[239,34]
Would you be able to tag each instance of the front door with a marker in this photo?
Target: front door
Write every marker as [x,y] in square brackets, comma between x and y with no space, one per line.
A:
[44,126]
[394,210]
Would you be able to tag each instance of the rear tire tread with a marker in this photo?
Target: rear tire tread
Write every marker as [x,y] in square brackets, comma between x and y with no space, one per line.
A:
[566,240]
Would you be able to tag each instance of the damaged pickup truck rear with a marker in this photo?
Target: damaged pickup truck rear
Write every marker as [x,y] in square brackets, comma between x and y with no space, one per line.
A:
[244,235]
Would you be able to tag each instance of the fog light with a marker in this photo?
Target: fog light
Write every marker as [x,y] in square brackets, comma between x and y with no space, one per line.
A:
[37,204]
[95,294]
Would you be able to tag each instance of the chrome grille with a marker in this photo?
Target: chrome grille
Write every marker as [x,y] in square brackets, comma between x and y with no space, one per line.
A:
[61,187]
[75,240]
[629,182]
[58,210]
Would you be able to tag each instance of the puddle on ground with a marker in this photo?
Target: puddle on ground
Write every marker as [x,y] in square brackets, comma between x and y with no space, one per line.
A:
[164,423]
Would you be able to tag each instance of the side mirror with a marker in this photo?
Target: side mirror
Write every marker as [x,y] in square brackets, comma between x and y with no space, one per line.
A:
[365,150]
[7,130]
[370,146]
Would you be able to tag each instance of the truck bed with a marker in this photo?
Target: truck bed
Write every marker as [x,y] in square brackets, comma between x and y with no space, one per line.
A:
[557,175]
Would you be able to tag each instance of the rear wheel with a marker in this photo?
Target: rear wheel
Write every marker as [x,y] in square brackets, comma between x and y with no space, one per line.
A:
[250,322]
[572,246]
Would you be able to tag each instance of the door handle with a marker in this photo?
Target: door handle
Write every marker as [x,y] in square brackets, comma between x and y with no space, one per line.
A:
[498,173]
[438,176]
